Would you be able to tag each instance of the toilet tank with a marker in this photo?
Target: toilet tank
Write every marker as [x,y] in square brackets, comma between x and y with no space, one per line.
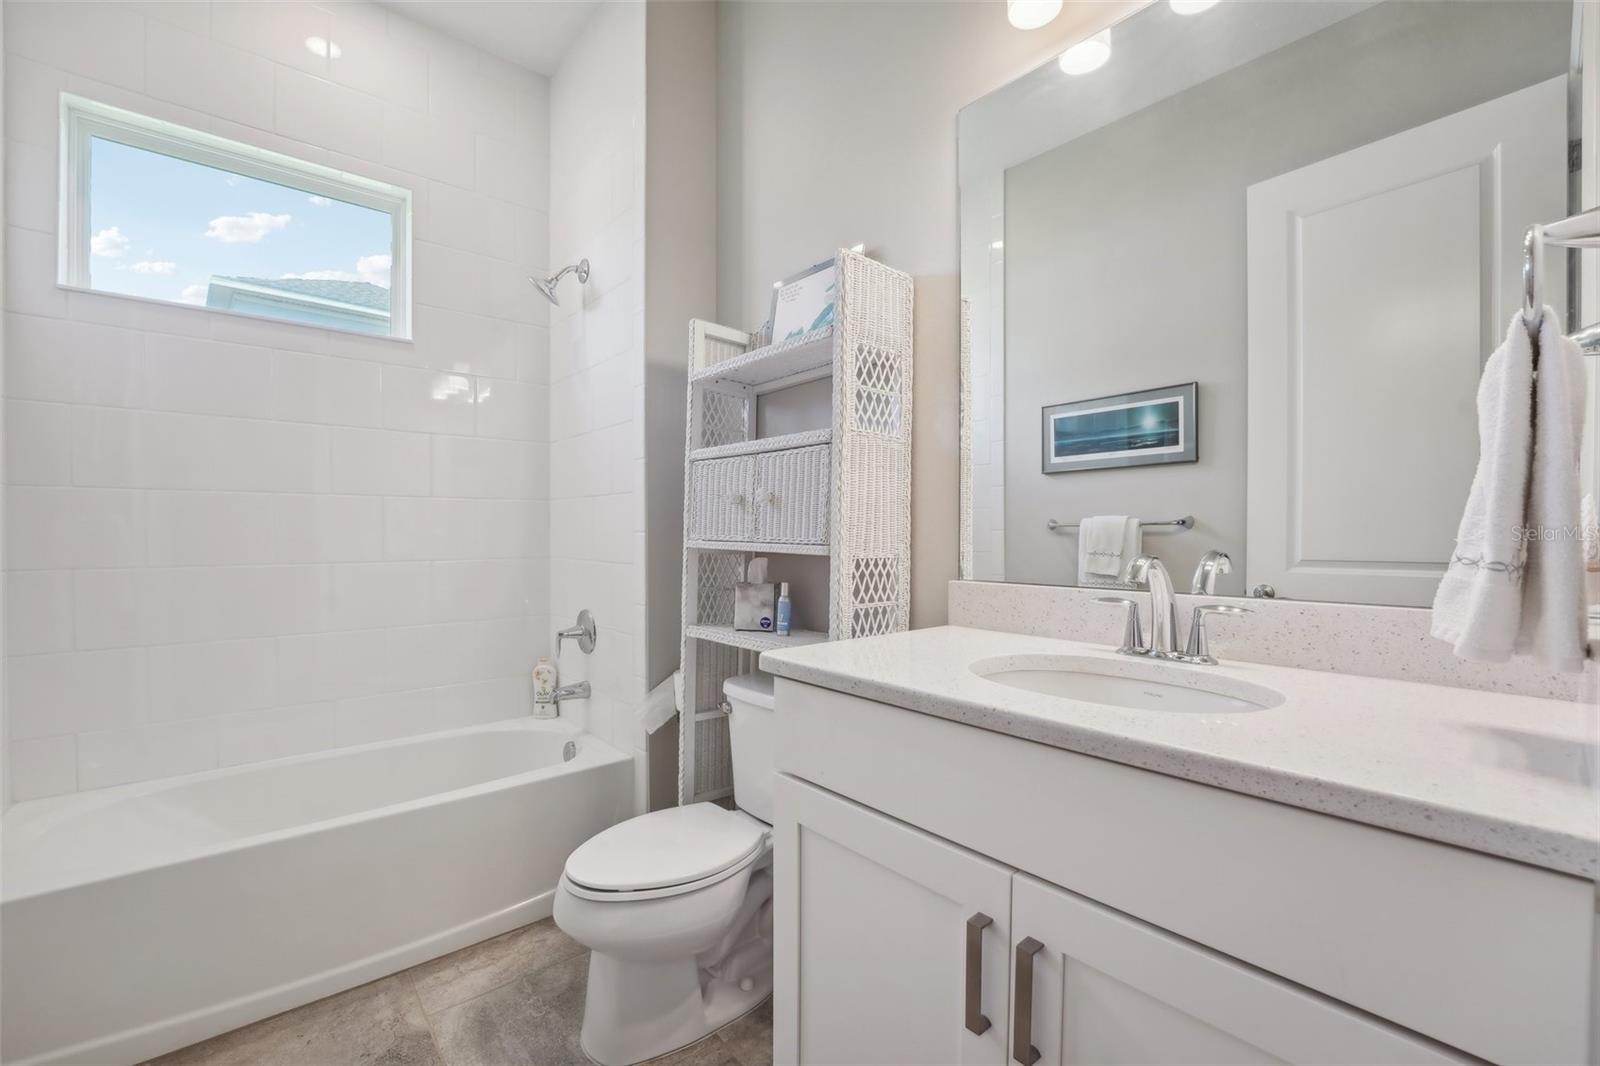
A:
[750,734]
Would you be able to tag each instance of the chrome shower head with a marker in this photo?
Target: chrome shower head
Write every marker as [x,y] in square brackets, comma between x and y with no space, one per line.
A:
[548,285]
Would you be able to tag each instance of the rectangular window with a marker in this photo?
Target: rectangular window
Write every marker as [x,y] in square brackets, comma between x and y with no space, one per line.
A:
[154,210]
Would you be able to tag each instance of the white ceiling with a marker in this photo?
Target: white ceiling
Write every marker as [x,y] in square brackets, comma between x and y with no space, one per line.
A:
[531,33]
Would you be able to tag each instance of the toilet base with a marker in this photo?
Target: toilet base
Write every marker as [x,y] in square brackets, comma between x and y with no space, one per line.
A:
[638,1010]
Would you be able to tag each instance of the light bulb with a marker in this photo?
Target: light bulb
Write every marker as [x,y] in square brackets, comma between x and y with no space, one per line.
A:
[1088,55]
[1031,14]
[1190,7]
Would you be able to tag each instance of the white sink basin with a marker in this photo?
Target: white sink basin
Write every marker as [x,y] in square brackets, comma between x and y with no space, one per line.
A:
[1145,686]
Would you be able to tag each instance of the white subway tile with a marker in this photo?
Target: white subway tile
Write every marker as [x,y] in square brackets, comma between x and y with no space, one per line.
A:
[275,732]
[328,529]
[475,467]
[507,648]
[75,691]
[107,610]
[380,462]
[317,388]
[47,766]
[385,716]
[152,316]
[390,66]
[477,702]
[512,409]
[467,343]
[192,604]
[459,218]
[434,529]
[445,277]
[426,401]
[179,451]
[194,680]
[210,528]
[330,666]
[203,376]
[506,171]
[311,109]
[531,228]
[423,144]
[373,595]
[476,589]
[187,68]
[101,41]
[31,273]
[144,753]
[31,192]
[38,443]
[54,528]
[427,656]
[32,101]
[277,29]
[38,610]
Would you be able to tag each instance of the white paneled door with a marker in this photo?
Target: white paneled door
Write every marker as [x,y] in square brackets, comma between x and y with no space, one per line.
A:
[1379,281]
[882,969]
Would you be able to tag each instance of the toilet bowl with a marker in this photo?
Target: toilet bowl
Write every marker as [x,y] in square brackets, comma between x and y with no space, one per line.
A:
[676,907]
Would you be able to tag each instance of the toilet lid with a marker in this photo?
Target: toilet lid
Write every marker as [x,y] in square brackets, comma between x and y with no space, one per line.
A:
[663,848]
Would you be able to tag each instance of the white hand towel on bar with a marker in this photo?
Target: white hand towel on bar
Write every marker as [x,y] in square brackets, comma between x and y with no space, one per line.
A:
[1553,609]
[1106,545]
[1478,608]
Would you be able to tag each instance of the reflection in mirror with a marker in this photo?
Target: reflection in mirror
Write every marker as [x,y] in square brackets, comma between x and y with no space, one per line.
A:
[1248,270]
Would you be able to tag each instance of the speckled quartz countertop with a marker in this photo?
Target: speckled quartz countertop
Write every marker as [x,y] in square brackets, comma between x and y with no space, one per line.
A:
[1514,776]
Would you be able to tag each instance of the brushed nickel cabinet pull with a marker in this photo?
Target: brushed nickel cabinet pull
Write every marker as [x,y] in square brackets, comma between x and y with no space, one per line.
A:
[977,1024]
[1022,1049]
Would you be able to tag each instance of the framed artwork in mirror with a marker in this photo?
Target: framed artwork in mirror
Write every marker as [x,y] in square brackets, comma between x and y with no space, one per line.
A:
[1154,426]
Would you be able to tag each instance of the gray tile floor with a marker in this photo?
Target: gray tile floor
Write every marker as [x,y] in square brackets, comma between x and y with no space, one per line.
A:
[516,1000]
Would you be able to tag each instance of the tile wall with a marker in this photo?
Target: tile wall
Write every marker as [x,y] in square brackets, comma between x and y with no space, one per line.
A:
[230,540]
[597,408]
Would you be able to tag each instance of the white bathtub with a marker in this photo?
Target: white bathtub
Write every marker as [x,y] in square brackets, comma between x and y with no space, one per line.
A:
[139,919]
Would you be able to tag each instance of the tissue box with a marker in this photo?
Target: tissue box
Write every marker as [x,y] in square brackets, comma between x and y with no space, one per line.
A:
[753,605]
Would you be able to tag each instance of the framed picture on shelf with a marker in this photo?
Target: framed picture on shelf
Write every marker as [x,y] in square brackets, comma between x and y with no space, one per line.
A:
[1128,429]
[803,302]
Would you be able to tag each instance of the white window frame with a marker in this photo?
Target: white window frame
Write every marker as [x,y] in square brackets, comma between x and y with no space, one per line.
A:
[83,119]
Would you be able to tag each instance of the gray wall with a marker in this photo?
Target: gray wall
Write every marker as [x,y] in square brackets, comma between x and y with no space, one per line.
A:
[1125,251]
[836,125]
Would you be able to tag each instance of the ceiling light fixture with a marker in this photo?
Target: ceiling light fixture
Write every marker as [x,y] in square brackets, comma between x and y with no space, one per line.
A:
[1031,14]
[1088,55]
[323,48]
[1190,7]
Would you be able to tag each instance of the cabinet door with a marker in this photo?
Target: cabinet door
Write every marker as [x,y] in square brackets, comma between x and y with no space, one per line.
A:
[720,507]
[791,494]
[1100,987]
[872,925]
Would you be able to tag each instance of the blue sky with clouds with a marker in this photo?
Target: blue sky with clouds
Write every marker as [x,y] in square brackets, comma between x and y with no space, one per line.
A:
[161,227]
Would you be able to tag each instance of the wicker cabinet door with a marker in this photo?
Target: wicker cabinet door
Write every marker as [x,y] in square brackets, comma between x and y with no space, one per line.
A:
[791,494]
[720,504]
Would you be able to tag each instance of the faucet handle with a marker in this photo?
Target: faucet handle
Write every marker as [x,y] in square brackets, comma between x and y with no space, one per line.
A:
[1199,648]
[1132,633]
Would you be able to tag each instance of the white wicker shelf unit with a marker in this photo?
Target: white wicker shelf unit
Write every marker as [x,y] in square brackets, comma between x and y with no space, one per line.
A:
[843,492]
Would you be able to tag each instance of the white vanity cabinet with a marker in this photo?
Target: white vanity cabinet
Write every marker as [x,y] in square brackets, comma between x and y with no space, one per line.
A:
[1131,917]
[893,930]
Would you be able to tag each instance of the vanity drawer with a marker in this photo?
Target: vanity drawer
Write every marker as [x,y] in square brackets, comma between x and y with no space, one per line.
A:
[791,496]
[719,499]
[1483,954]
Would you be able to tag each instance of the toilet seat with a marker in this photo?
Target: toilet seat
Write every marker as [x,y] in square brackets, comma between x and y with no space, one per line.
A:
[665,853]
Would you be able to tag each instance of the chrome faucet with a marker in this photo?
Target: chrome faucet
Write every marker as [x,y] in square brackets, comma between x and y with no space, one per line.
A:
[1148,572]
[578,690]
[1212,563]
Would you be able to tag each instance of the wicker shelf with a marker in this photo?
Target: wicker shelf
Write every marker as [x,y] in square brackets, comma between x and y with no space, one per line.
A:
[842,494]
[750,640]
[763,444]
[776,365]
[756,547]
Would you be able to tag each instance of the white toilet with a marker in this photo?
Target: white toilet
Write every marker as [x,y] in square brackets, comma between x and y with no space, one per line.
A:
[676,906]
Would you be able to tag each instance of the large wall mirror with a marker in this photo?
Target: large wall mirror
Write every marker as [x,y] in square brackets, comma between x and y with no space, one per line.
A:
[1234,270]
